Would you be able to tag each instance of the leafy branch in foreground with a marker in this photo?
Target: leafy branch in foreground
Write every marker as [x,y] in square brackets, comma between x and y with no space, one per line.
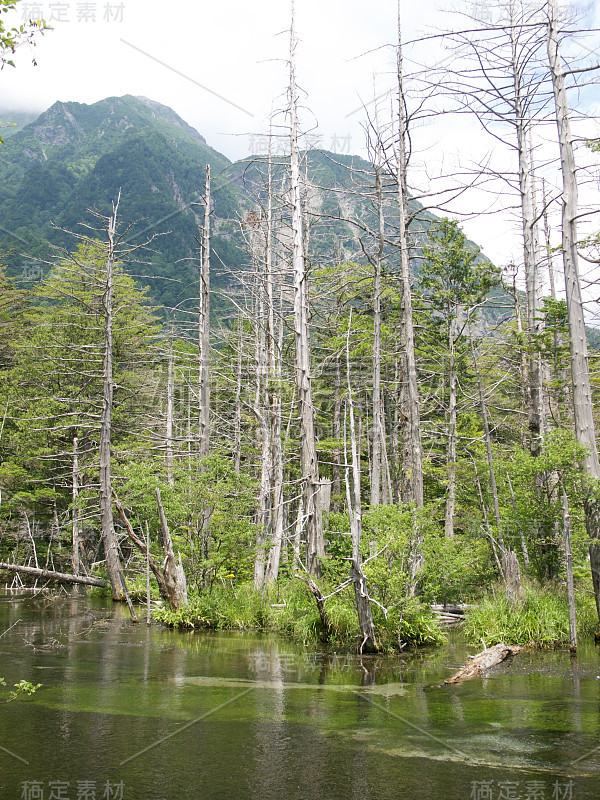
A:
[22,687]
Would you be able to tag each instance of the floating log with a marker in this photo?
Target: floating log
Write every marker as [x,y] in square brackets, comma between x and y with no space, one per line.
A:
[47,574]
[484,661]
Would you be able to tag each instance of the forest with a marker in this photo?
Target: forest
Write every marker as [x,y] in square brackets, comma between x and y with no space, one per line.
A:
[370,420]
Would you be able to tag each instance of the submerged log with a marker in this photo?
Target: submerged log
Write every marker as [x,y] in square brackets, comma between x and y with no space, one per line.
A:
[50,575]
[484,661]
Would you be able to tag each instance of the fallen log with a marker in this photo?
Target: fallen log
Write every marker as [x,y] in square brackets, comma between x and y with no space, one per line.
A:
[483,662]
[61,577]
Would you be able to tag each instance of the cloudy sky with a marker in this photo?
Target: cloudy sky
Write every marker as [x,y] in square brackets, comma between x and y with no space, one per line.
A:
[222,67]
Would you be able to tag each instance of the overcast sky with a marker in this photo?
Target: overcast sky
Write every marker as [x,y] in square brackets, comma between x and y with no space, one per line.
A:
[223,69]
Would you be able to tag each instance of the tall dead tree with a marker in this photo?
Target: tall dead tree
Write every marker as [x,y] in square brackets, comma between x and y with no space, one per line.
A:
[412,453]
[361,595]
[109,538]
[260,407]
[520,53]
[273,392]
[309,465]
[378,452]
[499,79]
[169,420]
[204,329]
[75,522]
[580,371]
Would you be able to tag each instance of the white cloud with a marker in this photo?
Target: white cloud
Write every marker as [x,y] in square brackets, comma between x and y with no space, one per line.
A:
[238,50]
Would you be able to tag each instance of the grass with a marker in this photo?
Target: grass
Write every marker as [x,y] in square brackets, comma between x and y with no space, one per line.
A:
[540,620]
[292,611]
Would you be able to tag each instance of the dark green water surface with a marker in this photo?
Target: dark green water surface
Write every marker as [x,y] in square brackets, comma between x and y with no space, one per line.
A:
[132,712]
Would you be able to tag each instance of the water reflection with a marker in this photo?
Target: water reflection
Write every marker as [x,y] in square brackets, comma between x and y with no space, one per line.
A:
[275,720]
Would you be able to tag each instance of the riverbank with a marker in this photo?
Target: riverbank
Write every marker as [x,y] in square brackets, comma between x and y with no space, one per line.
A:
[541,619]
[291,611]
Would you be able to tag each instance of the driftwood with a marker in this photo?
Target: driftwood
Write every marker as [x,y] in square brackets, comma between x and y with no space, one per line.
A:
[484,661]
[50,575]
[449,614]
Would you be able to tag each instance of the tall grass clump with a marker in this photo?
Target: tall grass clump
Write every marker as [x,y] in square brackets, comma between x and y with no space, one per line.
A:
[540,620]
[292,611]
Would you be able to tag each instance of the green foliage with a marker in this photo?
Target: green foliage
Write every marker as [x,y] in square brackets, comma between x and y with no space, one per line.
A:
[454,276]
[419,628]
[290,609]
[225,550]
[455,570]
[13,37]
[541,620]
[23,687]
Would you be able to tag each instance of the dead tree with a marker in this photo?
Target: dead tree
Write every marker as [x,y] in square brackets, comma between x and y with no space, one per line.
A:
[361,595]
[109,538]
[580,370]
[309,465]
[204,329]
[412,453]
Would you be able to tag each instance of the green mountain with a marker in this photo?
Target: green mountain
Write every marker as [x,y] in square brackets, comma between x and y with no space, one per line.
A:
[76,157]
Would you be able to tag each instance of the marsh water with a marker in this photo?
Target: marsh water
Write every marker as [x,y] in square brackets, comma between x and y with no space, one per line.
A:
[145,713]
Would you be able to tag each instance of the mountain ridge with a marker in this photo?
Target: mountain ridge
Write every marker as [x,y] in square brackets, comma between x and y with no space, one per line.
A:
[74,157]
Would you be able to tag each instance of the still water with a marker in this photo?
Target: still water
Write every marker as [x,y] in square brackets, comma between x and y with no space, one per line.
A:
[133,712]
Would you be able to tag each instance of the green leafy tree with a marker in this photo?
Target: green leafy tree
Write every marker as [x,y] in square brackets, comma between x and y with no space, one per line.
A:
[455,280]
[55,386]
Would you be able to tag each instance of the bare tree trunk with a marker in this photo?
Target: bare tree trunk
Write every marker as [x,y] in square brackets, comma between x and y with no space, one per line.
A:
[393,428]
[144,548]
[569,570]
[173,570]
[50,575]
[169,426]
[412,453]
[580,372]
[524,381]
[363,604]
[486,521]
[560,374]
[535,394]
[75,510]
[336,486]
[451,446]
[378,429]
[264,443]
[309,465]
[109,538]
[274,401]
[520,527]
[412,458]
[237,436]
[512,576]
[488,438]
[204,329]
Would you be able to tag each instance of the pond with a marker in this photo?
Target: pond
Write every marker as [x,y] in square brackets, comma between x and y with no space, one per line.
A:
[145,713]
